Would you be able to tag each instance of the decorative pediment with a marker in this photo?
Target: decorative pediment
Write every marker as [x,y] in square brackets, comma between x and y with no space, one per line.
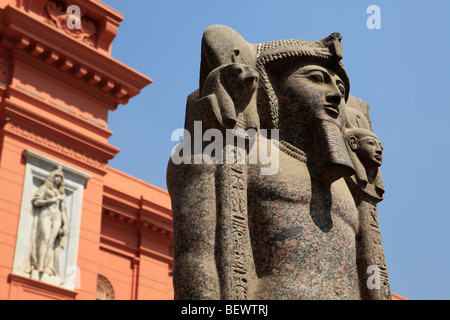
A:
[85,29]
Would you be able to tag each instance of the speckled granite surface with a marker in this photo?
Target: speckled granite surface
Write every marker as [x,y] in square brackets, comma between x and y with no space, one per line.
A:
[308,230]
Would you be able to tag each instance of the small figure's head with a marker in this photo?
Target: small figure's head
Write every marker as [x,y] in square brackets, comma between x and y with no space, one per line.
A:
[367,146]
[240,81]
[234,87]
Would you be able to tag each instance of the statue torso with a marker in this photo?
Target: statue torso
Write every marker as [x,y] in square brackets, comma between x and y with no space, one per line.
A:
[52,209]
[303,235]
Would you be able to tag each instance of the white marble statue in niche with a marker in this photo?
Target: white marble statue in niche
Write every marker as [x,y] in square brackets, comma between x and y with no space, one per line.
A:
[50,228]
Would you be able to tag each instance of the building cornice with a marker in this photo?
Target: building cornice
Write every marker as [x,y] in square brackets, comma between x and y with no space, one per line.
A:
[57,109]
[33,40]
[137,208]
[54,144]
[58,71]
[34,121]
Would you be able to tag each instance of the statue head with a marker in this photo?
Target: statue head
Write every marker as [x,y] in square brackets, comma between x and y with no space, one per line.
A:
[303,91]
[308,67]
[366,152]
[55,180]
[367,147]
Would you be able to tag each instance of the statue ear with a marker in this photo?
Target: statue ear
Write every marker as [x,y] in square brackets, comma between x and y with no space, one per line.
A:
[353,143]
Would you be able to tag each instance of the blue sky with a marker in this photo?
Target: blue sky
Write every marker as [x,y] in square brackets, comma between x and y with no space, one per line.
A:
[402,70]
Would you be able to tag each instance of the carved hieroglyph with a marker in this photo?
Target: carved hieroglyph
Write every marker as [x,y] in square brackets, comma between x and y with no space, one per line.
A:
[303,231]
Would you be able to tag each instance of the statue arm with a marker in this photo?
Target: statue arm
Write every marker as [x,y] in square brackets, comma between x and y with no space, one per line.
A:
[194,219]
[64,217]
[39,200]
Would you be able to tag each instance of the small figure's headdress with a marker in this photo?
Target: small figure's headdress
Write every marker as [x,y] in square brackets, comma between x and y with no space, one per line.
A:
[360,132]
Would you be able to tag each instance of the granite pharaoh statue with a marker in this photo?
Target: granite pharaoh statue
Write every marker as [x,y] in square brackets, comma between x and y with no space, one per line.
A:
[296,232]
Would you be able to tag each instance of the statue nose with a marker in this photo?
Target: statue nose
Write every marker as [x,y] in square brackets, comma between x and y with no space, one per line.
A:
[334,98]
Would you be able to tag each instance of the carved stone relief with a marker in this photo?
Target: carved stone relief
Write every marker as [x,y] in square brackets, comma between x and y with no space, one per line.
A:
[49,225]
[56,12]
[105,290]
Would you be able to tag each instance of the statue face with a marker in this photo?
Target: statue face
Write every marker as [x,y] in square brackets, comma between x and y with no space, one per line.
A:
[308,92]
[57,180]
[370,151]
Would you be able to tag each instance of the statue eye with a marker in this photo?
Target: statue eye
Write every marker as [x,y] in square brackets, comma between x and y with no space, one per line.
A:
[317,77]
[341,89]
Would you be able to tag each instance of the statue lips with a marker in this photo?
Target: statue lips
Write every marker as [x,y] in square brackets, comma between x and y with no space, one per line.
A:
[379,158]
[332,110]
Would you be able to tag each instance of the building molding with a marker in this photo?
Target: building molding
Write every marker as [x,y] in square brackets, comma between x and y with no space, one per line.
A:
[23,283]
[56,108]
[141,224]
[105,290]
[53,144]
[34,118]
[28,153]
[130,252]
[68,80]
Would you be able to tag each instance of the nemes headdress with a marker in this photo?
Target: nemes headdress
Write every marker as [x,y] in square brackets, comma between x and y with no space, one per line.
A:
[328,50]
